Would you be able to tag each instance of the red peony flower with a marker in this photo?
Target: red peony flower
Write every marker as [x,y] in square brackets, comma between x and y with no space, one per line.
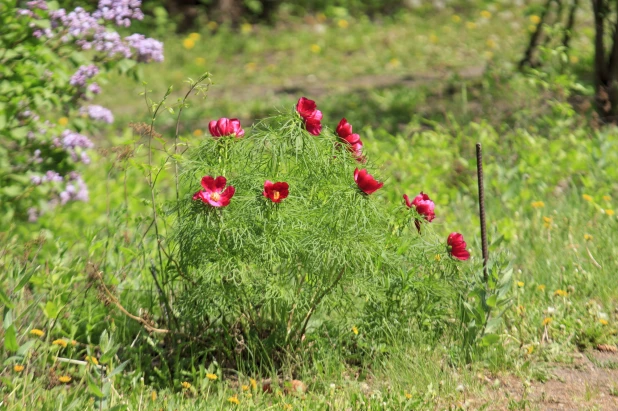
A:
[423,205]
[310,115]
[226,127]
[354,143]
[457,247]
[276,192]
[215,194]
[366,182]
[314,127]
[305,107]
[344,128]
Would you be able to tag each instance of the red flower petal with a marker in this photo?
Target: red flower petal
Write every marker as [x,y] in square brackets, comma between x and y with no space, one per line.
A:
[366,182]
[457,246]
[212,127]
[344,128]
[227,195]
[220,183]
[314,127]
[208,183]
[424,206]
[305,107]
[407,201]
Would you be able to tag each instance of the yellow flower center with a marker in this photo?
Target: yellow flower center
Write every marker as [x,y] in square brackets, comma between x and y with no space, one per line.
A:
[215,196]
[276,195]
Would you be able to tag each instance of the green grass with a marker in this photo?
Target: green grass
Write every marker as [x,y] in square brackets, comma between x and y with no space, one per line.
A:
[536,149]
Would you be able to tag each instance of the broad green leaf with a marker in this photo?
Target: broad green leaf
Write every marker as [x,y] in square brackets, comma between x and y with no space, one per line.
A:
[490,339]
[10,339]
[118,369]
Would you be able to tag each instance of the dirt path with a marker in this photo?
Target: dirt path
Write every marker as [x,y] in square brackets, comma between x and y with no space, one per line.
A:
[296,85]
[590,383]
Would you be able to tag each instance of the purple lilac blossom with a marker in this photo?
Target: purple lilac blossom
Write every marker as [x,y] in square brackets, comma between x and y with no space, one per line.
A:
[147,49]
[111,43]
[83,74]
[52,176]
[37,156]
[98,113]
[78,23]
[71,192]
[37,4]
[121,11]
[71,140]
[33,215]
[36,180]
[94,88]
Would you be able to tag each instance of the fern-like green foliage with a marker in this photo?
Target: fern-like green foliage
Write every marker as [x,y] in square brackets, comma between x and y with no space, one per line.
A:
[262,276]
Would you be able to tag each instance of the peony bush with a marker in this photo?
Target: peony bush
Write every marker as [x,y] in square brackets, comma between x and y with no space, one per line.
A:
[49,67]
[281,237]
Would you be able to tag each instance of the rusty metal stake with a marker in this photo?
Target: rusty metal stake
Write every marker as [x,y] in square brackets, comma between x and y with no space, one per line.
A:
[479,172]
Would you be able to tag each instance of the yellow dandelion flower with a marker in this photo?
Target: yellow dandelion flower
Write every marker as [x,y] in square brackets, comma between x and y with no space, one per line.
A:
[408,395]
[188,43]
[534,19]
[197,132]
[531,347]
[560,293]
[541,287]
[315,48]
[212,25]
[92,360]
[456,19]
[587,197]
[603,321]
[245,388]
[153,395]
[355,330]
[37,332]
[485,14]
[538,204]
[200,61]
[588,237]
[520,284]
[433,38]
[64,379]
[246,28]
[185,385]
[470,25]
[194,36]
[547,222]
[574,59]
[321,17]
[343,24]
[18,368]
[490,43]
[547,321]
[234,400]
[607,198]
[609,212]
[211,377]
[61,342]
[253,383]
[63,121]
[394,62]
[437,257]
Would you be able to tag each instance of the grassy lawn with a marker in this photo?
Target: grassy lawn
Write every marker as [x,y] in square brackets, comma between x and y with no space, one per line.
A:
[421,89]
